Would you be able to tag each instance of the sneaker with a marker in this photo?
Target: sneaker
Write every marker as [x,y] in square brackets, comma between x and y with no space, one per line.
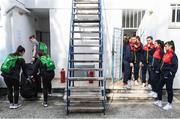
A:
[143,85]
[149,87]
[45,104]
[136,83]
[129,83]
[151,93]
[11,106]
[158,103]
[168,106]
[16,106]
[154,95]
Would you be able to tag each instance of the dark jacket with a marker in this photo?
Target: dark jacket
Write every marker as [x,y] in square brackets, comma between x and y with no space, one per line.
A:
[127,53]
[15,72]
[169,68]
[136,54]
[157,59]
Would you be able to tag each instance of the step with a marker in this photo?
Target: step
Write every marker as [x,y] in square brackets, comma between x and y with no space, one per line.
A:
[125,96]
[90,2]
[87,26]
[86,13]
[85,61]
[86,78]
[86,97]
[82,53]
[85,89]
[85,39]
[85,32]
[86,45]
[85,69]
[86,109]
[87,21]
[86,8]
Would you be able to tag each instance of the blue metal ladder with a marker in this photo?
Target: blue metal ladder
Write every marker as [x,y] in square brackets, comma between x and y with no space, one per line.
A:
[86,47]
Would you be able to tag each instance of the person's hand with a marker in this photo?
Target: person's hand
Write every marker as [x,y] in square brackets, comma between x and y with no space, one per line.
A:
[141,64]
[32,59]
[29,79]
[131,64]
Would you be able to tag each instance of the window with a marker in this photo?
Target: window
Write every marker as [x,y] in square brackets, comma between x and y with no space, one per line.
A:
[132,18]
[175,13]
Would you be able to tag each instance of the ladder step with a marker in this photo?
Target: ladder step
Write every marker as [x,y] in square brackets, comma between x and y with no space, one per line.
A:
[86,13]
[82,53]
[91,2]
[85,38]
[86,109]
[85,26]
[86,32]
[86,61]
[85,69]
[86,8]
[85,78]
[86,21]
[86,45]
[85,97]
[85,89]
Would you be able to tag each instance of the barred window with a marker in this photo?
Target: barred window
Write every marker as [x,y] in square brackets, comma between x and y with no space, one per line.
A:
[175,13]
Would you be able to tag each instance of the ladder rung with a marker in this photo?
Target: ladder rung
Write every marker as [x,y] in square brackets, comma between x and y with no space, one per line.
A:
[86,53]
[85,31]
[86,45]
[87,21]
[85,61]
[86,8]
[86,26]
[86,2]
[85,39]
[85,78]
[85,89]
[85,69]
[86,13]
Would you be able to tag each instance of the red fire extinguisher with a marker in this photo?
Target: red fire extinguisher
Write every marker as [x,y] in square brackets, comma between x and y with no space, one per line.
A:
[90,74]
[62,73]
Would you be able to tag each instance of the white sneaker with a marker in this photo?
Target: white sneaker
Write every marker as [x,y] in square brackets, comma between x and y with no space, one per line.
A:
[168,106]
[136,83]
[129,83]
[11,106]
[16,106]
[151,93]
[143,85]
[45,104]
[158,103]
[154,95]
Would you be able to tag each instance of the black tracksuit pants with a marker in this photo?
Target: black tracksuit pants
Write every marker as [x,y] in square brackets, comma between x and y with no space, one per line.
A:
[144,69]
[46,80]
[169,87]
[155,79]
[127,72]
[13,87]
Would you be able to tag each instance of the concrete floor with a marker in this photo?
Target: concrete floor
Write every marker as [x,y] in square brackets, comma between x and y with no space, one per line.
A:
[118,109]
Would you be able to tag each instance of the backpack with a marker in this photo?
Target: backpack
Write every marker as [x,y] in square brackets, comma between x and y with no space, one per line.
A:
[48,62]
[9,63]
[43,47]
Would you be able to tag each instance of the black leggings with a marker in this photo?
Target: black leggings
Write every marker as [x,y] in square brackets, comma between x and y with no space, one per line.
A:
[13,87]
[46,79]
